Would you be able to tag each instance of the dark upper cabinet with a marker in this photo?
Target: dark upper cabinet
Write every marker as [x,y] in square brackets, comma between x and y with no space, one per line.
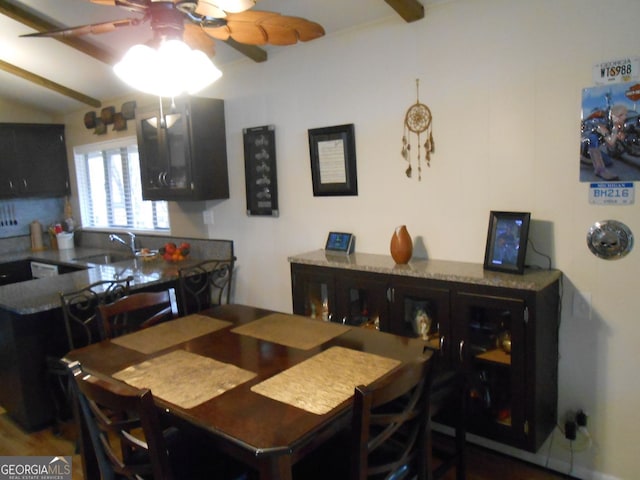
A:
[183,150]
[33,158]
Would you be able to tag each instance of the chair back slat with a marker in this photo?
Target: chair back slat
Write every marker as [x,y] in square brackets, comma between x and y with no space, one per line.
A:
[137,311]
[205,284]
[390,424]
[79,309]
[123,427]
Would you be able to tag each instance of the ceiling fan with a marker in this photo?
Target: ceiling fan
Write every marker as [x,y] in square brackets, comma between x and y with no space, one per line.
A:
[199,23]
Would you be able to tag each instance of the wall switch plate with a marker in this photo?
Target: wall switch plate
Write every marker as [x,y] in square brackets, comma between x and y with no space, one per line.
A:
[582,304]
[207,216]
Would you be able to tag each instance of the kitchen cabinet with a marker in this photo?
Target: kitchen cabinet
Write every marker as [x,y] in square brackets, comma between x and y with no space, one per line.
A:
[14,272]
[500,330]
[34,159]
[183,150]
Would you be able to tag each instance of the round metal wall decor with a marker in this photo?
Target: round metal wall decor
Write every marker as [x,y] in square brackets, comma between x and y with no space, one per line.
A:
[610,239]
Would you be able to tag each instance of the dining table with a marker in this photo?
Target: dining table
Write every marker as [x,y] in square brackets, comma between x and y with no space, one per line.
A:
[265,387]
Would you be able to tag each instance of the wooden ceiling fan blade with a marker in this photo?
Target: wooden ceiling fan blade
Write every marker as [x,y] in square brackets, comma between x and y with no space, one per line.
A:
[280,29]
[133,5]
[197,39]
[248,33]
[304,29]
[280,35]
[219,33]
[307,30]
[94,28]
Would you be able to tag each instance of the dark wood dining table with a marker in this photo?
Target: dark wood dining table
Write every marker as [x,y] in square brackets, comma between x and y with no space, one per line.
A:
[268,435]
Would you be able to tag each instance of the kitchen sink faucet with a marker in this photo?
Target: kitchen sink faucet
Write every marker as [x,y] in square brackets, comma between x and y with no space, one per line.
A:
[132,240]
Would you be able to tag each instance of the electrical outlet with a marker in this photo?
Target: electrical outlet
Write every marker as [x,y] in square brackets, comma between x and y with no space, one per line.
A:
[582,304]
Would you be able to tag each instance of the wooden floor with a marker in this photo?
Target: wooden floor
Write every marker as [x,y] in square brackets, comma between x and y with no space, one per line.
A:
[482,463]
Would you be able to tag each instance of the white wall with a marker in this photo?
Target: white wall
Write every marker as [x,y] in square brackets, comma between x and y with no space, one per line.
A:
[11,112]
[503,79]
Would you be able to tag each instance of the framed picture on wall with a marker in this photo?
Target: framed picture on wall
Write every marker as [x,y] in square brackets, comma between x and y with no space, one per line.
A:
[260,170]
[333,160]
[507,241]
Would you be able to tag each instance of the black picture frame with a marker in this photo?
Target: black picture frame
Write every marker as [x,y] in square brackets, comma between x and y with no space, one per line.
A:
[333,160]
[507,240]
[261,179]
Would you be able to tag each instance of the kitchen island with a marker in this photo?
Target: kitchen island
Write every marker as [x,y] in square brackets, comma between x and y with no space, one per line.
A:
[32,326]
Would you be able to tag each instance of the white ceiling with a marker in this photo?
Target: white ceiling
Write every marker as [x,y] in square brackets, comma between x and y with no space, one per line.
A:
[70,68]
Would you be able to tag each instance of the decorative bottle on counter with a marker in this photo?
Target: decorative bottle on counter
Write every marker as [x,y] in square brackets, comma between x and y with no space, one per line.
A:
[36,236]
[68,216]
[401,245]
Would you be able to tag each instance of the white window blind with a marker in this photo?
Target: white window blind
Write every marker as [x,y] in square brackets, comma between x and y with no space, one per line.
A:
[109,188]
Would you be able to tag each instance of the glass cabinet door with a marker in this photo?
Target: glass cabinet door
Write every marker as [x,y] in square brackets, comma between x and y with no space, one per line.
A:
[423,312]
[362,300]
[490,346]
[177,147]
[313,294]
[164,152]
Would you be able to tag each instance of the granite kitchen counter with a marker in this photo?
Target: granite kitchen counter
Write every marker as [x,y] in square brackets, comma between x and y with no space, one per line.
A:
[42,294]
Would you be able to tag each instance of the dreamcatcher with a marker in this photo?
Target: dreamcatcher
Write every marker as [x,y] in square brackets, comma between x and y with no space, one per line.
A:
[418,121]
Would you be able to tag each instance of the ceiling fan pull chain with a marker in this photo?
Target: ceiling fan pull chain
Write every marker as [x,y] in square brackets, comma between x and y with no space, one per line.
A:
[162,122]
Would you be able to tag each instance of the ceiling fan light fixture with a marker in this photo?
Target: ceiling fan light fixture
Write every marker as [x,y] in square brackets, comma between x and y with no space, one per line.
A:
[209,9]
[217,8]
[235,6]
[169,71]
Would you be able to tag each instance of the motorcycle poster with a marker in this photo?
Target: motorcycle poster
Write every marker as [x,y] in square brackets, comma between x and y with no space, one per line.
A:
[610,133]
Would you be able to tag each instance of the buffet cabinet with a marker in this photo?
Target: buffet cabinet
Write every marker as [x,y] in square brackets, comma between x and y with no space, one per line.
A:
[500,330]
[183,150]
[33,160]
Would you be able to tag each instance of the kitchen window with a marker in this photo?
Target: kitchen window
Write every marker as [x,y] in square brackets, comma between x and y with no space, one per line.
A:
[109,188]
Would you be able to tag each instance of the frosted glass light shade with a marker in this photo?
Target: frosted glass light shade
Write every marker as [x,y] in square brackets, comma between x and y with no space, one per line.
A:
[235,6]
[169,71]
[217,8]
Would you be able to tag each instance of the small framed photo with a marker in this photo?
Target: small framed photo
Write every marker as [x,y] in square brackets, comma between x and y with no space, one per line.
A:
[507,241]
[333,160]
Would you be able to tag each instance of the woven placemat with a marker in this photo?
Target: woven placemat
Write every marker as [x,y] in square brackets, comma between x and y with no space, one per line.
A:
[184,378]
[292,330]
[167,334]
[325,380]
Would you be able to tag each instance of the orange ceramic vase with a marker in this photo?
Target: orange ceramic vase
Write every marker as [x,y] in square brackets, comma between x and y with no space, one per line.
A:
[401,245]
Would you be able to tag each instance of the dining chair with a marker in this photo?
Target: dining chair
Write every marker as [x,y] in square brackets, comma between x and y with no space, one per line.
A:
[79,314]
[448,394]
[205,285]
[122,436]
[79,310]
[388,437]
[137,311]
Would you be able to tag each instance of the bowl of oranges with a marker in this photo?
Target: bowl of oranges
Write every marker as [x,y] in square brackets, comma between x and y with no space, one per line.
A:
[175,253]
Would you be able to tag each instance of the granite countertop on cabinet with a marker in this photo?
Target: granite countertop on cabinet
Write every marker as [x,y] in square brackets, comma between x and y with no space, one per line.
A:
[446,270]
[39,295]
